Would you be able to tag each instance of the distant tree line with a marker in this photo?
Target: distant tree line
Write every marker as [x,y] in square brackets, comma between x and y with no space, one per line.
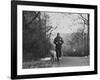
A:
[80,40]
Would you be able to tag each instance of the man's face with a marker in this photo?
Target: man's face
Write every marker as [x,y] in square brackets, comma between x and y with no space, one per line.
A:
[58,34]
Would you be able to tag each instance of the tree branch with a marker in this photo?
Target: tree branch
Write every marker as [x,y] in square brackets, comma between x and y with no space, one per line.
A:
[37,14]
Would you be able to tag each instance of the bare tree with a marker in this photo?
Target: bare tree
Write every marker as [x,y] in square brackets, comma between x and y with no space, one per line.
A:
[81,37]
[85,22]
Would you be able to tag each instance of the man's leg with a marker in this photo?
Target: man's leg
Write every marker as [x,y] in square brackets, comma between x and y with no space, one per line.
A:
[57,54]
[60,52]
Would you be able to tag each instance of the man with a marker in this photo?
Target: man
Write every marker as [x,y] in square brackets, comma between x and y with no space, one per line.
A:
[58,41]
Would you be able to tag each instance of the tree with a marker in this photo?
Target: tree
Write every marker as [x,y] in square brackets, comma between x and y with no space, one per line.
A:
[86,41]
[35,42]
[81,37]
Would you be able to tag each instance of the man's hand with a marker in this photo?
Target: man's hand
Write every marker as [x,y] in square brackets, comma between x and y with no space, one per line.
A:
[56,42]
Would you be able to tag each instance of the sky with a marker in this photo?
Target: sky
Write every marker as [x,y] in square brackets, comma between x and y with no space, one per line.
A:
[66,23]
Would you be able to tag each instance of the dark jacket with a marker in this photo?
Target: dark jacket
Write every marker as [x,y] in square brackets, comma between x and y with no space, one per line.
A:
[58,41]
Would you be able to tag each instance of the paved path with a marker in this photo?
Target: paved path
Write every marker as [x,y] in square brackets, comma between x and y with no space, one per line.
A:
[64,62]
[72,61]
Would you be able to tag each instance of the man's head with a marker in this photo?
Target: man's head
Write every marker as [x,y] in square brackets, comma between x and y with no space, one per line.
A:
[58,34]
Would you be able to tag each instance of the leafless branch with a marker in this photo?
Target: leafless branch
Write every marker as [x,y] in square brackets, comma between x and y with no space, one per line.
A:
[36,15]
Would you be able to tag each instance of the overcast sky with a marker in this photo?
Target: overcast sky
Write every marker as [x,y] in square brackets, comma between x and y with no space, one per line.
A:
[66,23]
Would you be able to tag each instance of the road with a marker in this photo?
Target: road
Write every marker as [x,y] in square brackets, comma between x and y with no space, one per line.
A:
[64,62]
[72,61]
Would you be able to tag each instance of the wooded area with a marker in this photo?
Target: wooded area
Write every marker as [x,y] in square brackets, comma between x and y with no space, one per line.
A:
[36,43]
[37,36]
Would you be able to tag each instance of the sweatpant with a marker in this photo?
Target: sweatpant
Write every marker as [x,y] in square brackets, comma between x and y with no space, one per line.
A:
[58,53]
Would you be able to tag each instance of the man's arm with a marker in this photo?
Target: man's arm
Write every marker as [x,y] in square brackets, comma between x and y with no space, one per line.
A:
[62,40]
[55,41]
